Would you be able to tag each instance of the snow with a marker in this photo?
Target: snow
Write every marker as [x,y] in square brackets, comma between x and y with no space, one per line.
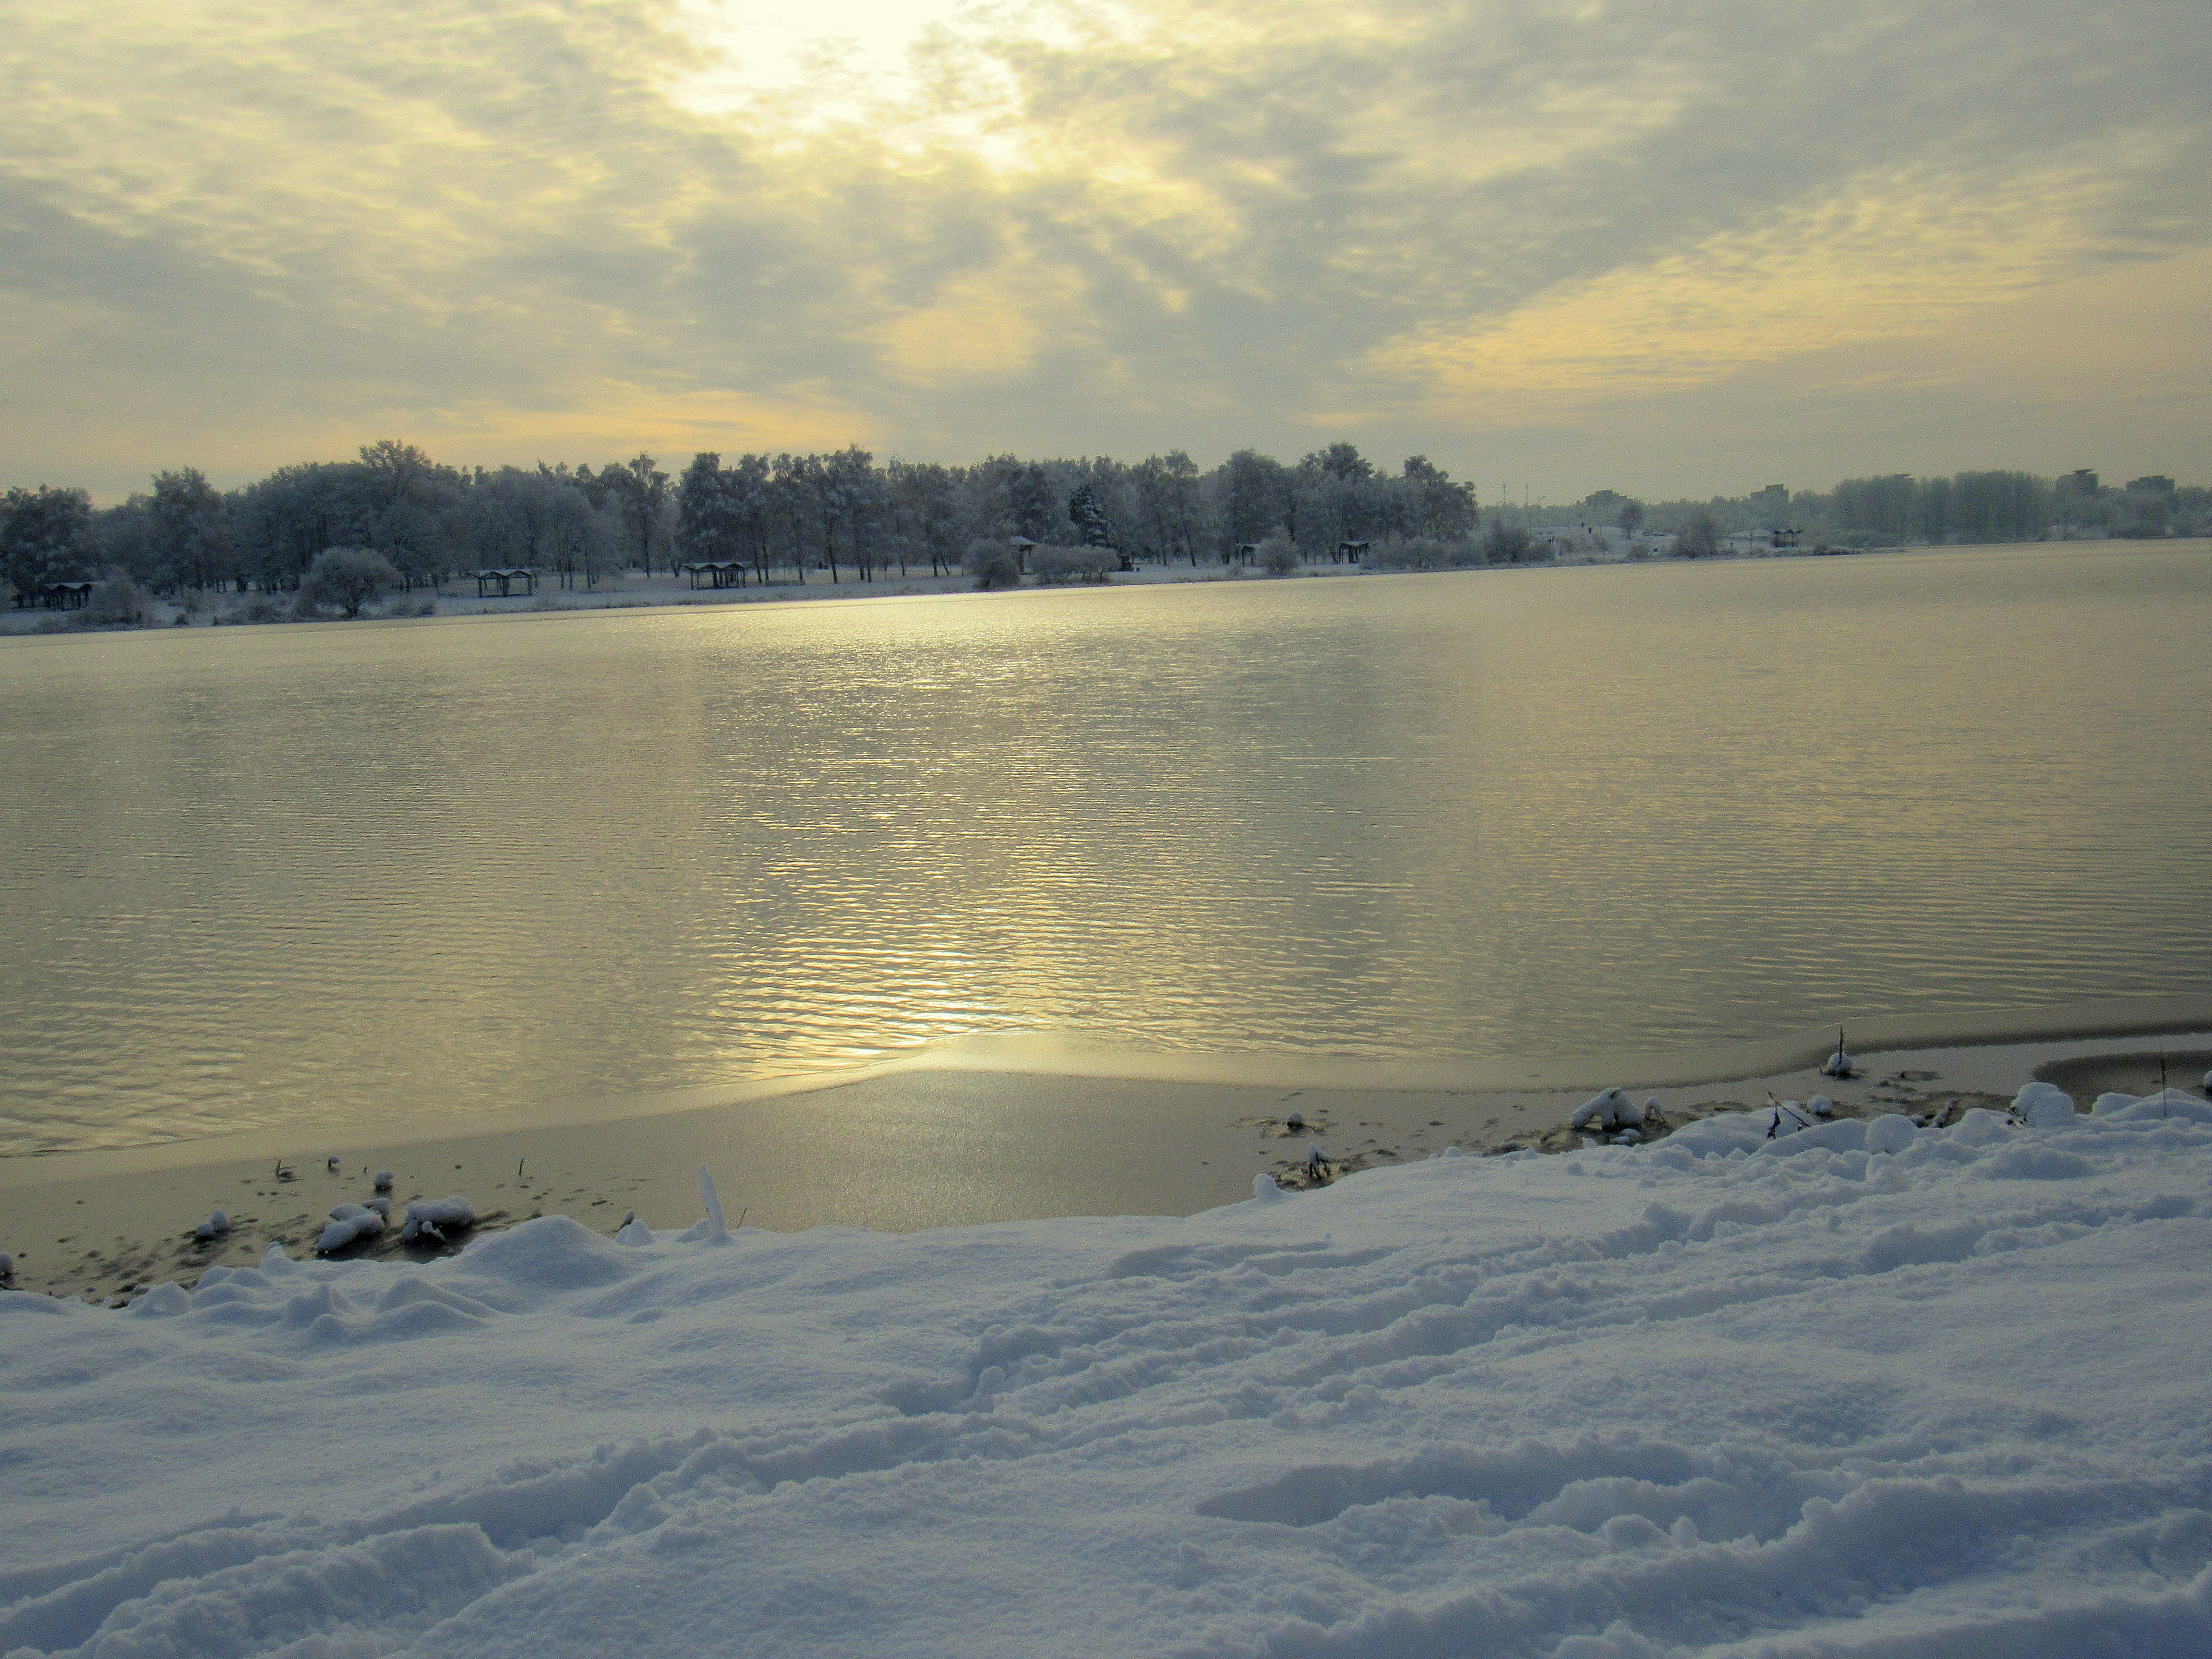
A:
[438,1217]
[2043,1105]
[1610,1109]
[2167,1104]
[348,1224]
[1855,1389]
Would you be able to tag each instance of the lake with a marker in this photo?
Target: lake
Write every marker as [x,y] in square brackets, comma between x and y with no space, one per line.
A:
[345,873]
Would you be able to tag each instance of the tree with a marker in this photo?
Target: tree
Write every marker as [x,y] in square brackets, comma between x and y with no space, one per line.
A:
[642,489]
[279,524]
[189,527]
[925,510]
[852,503]
[1438,507]
[1507,543]
[702,522]
[348,576]
[1084,513]
[1700,535]
[747,502]
[541,517]
[46,536]
[1167,495]
[394,470]
[1254,494]
[1632,517]
[1339,460]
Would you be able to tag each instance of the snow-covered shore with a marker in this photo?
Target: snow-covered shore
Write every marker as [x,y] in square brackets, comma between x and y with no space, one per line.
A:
[1722,1396]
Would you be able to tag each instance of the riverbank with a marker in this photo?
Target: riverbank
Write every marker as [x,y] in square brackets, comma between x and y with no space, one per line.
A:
[1013,1130]
[633,590]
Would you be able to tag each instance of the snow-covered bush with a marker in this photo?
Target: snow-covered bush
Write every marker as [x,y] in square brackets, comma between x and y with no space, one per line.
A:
[115,602]
[993,564]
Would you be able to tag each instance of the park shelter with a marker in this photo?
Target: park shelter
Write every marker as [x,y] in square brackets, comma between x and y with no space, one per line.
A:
[716,572]
[508,581]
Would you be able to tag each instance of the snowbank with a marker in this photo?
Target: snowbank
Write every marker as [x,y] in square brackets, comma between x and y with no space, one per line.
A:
[1732,1394]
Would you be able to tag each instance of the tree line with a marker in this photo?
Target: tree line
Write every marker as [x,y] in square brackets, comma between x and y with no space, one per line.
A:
[805,516]
[809,517]
[1897,508]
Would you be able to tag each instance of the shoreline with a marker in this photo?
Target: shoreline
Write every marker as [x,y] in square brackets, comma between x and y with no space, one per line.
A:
[662,595]
[1047,1055]
[981,1132]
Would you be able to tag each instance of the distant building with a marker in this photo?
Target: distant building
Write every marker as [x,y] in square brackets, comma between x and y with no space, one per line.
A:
[2156,482]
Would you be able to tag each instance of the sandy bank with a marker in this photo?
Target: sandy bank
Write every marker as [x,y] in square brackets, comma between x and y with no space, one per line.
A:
[1006,1131]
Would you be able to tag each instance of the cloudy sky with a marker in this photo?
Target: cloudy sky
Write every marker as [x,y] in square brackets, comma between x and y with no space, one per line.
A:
[1693,247]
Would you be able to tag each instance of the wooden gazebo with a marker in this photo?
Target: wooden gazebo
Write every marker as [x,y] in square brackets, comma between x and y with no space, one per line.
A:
[716,572]
[55,596]
[507,581]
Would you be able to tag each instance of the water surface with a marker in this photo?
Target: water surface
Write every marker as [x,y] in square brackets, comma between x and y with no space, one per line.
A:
[358,872]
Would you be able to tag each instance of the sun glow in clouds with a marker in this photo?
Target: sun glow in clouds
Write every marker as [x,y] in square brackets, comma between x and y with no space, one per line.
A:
[911,72]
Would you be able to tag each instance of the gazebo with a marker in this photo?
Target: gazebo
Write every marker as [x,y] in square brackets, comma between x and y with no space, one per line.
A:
[1353,552]
[66,596]
[506,581]
[716,572]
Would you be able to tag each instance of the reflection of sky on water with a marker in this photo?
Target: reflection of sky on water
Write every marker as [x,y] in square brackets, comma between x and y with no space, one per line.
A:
[319,874]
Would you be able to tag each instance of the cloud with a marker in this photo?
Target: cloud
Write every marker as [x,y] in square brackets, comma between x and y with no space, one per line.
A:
[239,226]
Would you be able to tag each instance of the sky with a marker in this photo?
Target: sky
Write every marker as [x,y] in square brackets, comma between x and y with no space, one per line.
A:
[1683,248]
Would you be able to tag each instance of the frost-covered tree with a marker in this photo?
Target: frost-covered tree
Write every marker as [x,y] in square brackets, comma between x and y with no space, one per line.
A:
[703,529]
[46,536]
[1251,496]
[1438,507]
[640,489]
[925,521]
[348,577]
[189,529]
[1165,488]
[1084,513]
[1700,537]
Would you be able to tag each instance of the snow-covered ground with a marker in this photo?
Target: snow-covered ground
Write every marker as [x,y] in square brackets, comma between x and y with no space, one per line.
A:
[1720,1395]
